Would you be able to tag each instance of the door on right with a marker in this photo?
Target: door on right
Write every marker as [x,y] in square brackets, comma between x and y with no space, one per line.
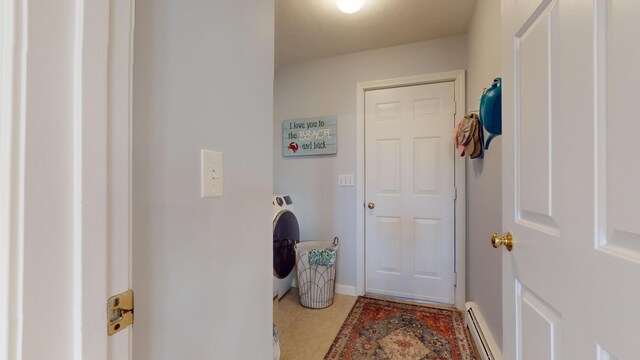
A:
[571,180]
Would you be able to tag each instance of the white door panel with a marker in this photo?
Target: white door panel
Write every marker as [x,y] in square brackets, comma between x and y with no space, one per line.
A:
[570,193]
[621,56]
[410,179]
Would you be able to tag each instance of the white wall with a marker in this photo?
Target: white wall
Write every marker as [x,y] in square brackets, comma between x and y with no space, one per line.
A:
[203,78]
[484,192]
[328,87]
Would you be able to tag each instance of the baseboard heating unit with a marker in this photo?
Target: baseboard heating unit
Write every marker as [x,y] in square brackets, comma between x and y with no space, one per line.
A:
[486,345]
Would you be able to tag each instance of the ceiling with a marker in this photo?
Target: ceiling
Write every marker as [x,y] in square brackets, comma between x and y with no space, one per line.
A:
[313,29]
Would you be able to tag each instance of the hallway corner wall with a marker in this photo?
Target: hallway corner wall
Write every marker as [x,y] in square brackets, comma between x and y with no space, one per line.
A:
[203,79]
[484,176]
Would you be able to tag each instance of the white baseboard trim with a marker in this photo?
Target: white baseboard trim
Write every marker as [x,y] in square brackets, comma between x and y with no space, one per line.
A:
[480,333]
[346,290]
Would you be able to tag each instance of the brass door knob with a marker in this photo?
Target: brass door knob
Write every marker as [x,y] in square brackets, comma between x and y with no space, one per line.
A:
[371,205]
[506,240]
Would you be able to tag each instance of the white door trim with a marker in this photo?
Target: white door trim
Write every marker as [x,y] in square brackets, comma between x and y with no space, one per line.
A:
[120,179]
[13,63]
[90,179]
[85,307]
[458,78]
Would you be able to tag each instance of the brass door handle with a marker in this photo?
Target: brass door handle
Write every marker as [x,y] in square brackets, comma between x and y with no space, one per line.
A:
[506,240]
[371,205]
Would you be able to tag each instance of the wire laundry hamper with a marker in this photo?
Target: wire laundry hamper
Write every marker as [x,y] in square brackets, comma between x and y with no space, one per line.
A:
[316,283]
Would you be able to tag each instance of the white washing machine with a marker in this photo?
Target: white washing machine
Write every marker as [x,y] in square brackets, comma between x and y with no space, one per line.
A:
[286,234]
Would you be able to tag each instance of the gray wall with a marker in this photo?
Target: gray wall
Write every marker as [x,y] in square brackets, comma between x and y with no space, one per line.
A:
[484,192]
[203,78]
[328,87]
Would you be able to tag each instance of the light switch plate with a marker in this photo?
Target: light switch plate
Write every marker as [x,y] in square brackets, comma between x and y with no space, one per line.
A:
[212,180]
[345,180]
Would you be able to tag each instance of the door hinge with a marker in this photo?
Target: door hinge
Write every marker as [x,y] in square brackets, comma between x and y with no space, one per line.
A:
[119,312]
[454,108]
[455,193]
[455,279]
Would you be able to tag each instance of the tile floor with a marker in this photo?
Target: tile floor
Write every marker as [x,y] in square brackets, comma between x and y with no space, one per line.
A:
[307,334]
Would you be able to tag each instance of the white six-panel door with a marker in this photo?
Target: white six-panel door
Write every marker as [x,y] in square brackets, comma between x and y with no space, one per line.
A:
[409,169]
[570,179]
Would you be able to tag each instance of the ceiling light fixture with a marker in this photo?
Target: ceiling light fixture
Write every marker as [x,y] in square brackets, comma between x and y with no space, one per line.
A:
[349,6]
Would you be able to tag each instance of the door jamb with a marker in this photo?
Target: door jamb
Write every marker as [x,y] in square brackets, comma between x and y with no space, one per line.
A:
[13,36]
[458,78]
[90,123]
[120,162]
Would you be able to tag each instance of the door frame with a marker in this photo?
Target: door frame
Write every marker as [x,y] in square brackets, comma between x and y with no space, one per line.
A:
[88,262]
[458,79]
[120,163]
[90,178]
[12,124]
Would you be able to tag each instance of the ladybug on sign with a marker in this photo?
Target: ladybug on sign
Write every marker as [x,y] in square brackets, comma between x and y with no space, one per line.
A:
[293,146]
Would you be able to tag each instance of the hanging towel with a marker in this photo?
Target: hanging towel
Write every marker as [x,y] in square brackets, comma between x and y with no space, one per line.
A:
[478,139]
[471,148]
[464,136]
[459,147]
[465,131]
[468,136]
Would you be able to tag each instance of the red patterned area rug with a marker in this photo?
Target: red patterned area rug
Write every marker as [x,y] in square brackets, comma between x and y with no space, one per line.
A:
[381,329]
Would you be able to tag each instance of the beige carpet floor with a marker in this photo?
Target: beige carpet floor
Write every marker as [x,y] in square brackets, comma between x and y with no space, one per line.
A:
[307,334]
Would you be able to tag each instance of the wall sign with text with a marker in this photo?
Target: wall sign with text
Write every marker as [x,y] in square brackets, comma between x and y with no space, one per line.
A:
[312,136]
